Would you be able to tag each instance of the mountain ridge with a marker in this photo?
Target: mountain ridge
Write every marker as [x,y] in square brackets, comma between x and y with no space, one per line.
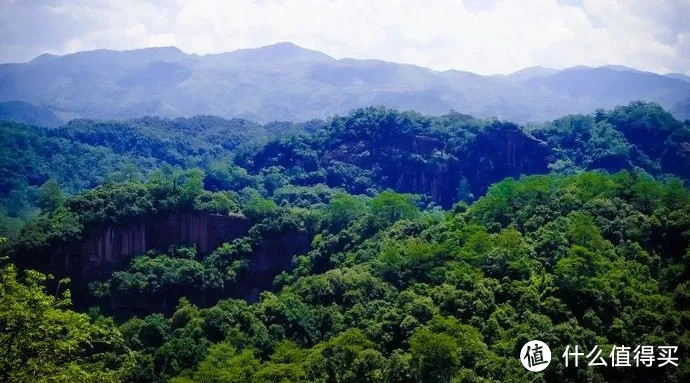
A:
[284,81]
[286,46]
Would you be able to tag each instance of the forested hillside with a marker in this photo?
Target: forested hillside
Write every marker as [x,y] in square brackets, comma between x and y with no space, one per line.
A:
[380,246]
[388,292]
[448,158]
[84,154]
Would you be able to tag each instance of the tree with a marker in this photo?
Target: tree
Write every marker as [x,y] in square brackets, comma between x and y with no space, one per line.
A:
[42,340]
[191,184]
[224,364]
[50,196]
[389,206]
[434,356]
[343,209]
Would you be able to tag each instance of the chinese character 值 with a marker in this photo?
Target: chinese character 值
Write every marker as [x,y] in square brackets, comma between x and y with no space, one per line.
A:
[620,356]
[534,356]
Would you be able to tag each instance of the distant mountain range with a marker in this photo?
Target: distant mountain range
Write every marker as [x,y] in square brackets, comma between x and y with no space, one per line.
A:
[287,82]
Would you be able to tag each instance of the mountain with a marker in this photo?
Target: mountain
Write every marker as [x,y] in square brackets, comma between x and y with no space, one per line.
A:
[532,72]
[679,76]
[28,114]
[287,82]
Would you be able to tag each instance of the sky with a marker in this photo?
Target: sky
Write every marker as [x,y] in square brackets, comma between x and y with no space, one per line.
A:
[481,36]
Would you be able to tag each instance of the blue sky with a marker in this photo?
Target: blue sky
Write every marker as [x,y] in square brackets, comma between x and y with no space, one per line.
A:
[481,36]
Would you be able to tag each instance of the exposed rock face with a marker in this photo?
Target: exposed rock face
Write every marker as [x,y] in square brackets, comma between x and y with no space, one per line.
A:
[503,151]
[273,256]
[110,247]
[436,179]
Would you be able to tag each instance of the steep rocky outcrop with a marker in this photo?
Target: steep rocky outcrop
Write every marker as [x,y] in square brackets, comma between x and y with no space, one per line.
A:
[423,164]
[503,151]
[436,178]
[112,246]
[109,247]
[273,256]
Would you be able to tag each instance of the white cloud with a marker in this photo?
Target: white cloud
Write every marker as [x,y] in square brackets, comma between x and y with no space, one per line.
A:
[481,37]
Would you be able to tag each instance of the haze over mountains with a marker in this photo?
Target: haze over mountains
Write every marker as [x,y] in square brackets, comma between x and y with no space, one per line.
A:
[287,82]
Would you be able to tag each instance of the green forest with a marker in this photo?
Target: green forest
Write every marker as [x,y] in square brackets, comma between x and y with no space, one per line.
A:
[379,246]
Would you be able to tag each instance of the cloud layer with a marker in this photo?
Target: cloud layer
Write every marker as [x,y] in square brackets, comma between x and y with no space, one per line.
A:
[475,35]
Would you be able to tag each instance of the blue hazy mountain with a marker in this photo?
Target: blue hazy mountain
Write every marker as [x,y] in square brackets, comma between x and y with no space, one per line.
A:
[287,82]
[679,76]
[29,114]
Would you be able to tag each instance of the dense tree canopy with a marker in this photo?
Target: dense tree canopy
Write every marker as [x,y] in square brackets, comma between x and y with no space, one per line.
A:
[368,150]
[43,340]
[393,293]
[392,287]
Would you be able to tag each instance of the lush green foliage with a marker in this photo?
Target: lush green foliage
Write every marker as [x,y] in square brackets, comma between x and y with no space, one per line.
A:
[369,150]
[389,293]
[392,289]
[165,190]
[42,340]
[84,154]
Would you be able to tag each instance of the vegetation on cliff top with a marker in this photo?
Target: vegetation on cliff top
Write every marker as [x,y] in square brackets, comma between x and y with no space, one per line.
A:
[390,293]
[367,151]
[394,288]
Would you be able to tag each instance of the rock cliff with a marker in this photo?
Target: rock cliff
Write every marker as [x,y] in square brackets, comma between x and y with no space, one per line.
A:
[107,248]
[425,165]
[503,151]
[273,256]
